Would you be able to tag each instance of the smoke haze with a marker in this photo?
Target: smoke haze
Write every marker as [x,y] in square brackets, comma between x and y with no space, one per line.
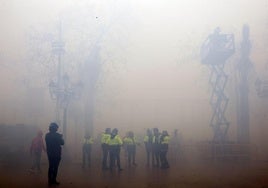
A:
[148,72]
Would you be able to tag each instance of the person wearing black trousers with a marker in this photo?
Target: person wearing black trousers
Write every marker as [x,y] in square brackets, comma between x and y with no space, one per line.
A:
[115,144]
[105,138]
[164,140]
[148,140]
[156,148]
[54,141]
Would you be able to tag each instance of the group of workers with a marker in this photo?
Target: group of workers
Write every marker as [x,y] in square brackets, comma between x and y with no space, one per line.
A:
[156,146]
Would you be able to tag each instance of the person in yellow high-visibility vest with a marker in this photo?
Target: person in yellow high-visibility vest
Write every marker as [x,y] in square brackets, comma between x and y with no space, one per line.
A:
[88,141]
[164,141]
[130,142]
[115,144]
[105,137]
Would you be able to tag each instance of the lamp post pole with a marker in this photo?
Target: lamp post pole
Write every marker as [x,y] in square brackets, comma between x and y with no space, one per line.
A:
[62,90]
[58,50]
[243,70]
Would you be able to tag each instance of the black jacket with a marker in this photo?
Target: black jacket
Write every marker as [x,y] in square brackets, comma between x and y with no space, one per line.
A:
[54,141]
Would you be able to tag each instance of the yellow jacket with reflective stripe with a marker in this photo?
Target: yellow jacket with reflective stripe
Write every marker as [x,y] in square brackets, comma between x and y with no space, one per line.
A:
[88,141]
[130,141]
[165,140]
[105,138]
[115,141]
[146,139]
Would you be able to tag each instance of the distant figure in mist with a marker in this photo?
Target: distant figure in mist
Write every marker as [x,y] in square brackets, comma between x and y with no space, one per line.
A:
[148,141]
[130,143]
[156,148]
[115,144]
[105,138]
[54,141]
[37,146]
[175,143]
[164,140]
[86,150]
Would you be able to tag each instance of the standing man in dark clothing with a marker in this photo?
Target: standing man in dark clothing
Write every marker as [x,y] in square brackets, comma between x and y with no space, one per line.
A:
[156,148]
[54,141]
[148,140]
[86,149]
[105,138]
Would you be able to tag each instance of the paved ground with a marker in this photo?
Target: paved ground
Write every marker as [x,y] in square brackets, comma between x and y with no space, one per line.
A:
[184,174]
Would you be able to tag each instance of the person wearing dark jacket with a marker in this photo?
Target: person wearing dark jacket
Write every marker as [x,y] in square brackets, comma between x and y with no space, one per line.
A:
[156,148]
[86,149]
[54,141]
[148,140]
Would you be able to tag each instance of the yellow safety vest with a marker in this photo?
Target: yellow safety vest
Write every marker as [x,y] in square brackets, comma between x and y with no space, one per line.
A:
[115,141]
[165,140]
[105,138]
[130,141]
[88,141]
[146,139]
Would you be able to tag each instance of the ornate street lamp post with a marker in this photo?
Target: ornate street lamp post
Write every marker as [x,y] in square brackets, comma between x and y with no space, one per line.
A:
[62,90]
[56,86]
[64,94]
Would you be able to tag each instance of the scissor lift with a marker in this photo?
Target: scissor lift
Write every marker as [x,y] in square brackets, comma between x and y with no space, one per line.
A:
[214,53]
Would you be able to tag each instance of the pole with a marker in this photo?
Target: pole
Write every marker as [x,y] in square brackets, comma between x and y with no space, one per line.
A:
[58,50]
[243,103]
[64,125]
